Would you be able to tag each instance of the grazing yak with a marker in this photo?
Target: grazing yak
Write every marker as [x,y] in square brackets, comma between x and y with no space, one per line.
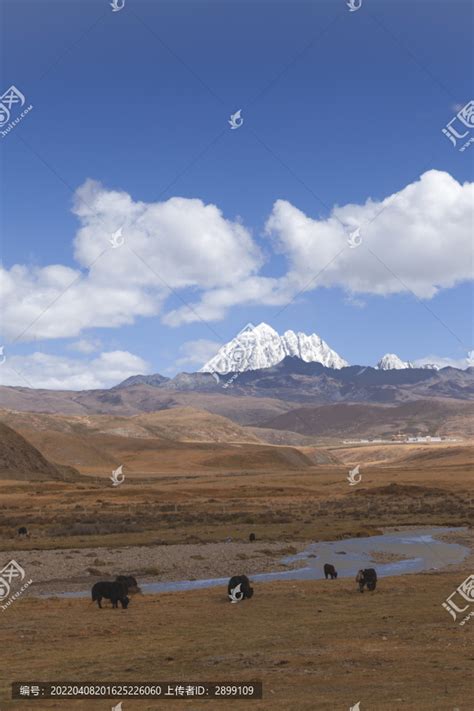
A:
[252,537]
[129,581]
[367,577]
[330,571]
[239,588]
[23,531]
[113,591]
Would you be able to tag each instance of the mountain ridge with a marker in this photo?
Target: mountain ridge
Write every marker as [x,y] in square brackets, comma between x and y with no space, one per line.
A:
[269,390]
[257,347]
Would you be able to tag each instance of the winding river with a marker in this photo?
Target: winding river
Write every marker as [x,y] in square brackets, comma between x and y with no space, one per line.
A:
[420,548]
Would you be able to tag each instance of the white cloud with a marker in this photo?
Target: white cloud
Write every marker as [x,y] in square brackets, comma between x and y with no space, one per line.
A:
[215,303]
[422,239]
[86,345]
[181,243]
[423,234]
[195,353]
[445,361]
[42,370]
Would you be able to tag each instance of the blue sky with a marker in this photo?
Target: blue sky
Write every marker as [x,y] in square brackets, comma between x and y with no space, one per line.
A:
[339,108]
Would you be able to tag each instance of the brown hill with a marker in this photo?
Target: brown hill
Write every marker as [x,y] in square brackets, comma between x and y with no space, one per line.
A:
[423,456]
[446,456]
[444,417]
[177,440]
[21,460]
[181,424]
[136,399]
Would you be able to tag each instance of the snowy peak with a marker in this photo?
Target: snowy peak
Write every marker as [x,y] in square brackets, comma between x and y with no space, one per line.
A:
[257,347]
[311,349]
[390,361]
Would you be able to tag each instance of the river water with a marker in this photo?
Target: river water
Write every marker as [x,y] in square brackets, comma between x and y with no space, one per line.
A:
[421,548]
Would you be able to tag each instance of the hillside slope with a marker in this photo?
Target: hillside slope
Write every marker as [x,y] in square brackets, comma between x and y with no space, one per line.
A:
[19,459]
[442,417]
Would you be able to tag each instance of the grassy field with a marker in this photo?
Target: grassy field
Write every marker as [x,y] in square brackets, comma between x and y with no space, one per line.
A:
[315,503]
[315,645]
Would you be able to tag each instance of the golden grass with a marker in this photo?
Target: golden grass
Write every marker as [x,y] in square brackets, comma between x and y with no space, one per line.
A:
[311,504]
[315,645]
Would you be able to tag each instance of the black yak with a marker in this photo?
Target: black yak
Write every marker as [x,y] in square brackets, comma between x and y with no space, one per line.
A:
[23,531]
[129,581]
[329,571]
[113,591]
[238,588]
[367,577]
[252,537]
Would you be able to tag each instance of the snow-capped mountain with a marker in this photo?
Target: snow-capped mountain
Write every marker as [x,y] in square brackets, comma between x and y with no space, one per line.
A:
[257,347]
[424,364]
[390,361]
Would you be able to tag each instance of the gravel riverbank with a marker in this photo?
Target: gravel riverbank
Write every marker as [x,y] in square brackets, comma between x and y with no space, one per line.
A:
[68,570]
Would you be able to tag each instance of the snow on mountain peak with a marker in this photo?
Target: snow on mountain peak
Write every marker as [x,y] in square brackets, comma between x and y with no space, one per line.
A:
[390,361]
[257,347]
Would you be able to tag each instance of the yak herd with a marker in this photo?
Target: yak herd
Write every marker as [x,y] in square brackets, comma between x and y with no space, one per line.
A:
[238,587]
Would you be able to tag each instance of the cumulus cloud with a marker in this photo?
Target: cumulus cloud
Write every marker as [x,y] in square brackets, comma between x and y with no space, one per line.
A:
[42,370]
[172,245]
[215,303]
[417,239]
[421,236]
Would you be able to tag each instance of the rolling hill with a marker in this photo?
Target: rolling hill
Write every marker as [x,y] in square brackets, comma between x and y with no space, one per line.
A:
[177,440]
[431,417]
[20,460]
